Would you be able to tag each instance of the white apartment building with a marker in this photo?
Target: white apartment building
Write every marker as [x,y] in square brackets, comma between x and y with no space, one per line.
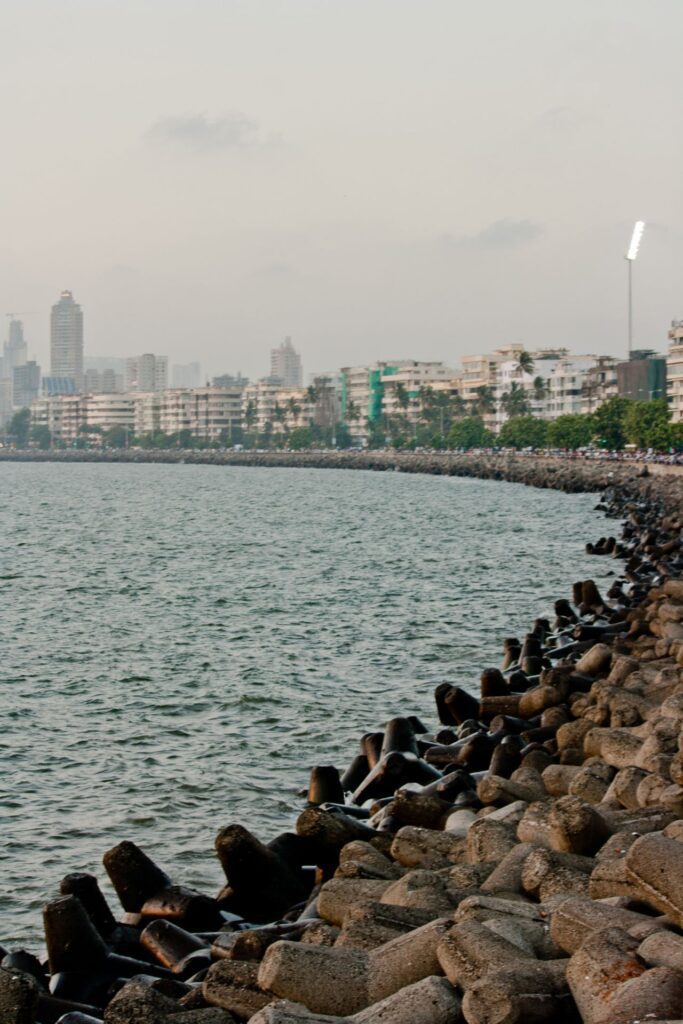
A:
[600,383]
[674,371]
[566,384]
[412,377]
[209,412]
[147,413]
[362,392]
[109,410]
[215,412]
[63,415]
[264,403]
[482,370]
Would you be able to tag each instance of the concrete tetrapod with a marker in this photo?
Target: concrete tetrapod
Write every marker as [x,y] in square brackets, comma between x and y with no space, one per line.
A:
[468,950]
[233,985]
[654,865]
[612,985]
[18,997]
[344,981]
[430,1001]
[530,994]
[577,916]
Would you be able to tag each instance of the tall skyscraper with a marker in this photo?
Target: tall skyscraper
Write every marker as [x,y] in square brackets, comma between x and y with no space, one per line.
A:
[13,356]
[16,346]
[14,350]
[25,384]
[66,339]
[285,365]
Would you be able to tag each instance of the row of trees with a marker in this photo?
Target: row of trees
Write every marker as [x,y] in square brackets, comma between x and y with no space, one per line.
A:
[613,425]
[22,433]
[616,423]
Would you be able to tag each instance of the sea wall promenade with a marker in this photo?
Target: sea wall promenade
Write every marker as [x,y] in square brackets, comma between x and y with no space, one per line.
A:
[517,858]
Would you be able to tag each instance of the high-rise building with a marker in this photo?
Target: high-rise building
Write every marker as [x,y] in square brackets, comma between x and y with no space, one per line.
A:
[25,384]
[187,375]
[14,350]
[5,401]
[13,355]
[102,382]
[66,339]
[146,373]
[104,374]
[285,365]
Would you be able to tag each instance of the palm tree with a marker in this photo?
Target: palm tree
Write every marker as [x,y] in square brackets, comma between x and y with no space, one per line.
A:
[293,407]
[458,406]
[250,414]
[539,389]
[525,363]
[515,401]
[485,402]
[311,394]
[352,412]
[426,396]
[279,413]
[402,396]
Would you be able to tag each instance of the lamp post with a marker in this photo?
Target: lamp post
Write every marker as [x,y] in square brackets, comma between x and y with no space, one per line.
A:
[630,259]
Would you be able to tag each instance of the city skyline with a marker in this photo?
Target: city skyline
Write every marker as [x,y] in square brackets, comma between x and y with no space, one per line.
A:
[472,184]
[272,355]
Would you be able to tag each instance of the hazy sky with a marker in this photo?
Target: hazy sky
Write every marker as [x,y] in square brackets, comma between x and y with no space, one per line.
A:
[375,178]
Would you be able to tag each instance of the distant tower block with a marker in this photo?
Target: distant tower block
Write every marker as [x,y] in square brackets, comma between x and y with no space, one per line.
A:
[66,340]
[285,365]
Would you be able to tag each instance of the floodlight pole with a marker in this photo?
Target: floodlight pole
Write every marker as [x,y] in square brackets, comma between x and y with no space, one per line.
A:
[630,307]
[630,258]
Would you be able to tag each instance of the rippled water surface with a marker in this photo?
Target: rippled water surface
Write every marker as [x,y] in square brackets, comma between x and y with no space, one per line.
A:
[180,644]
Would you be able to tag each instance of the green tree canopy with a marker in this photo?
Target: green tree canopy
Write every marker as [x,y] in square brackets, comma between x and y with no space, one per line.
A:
[18,427]
[300,437]
[116,437]
[470,433]
[342,436]
[523,432]
[646,424]
[40,435]
[608,420]
[570,431]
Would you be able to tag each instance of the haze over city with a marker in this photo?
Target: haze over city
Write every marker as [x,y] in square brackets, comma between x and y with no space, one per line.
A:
[377,180]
